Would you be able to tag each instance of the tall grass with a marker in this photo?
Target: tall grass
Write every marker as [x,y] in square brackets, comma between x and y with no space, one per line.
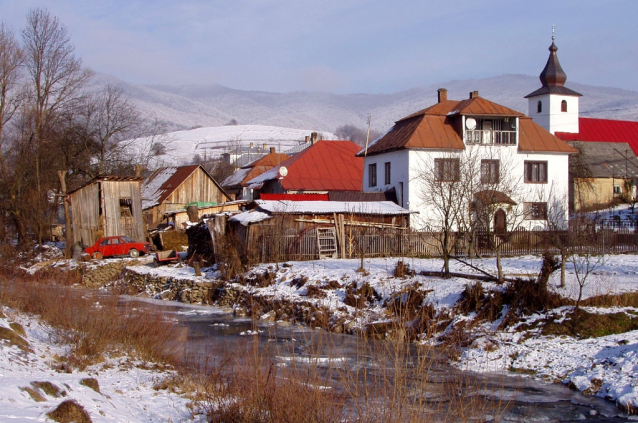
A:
[94,325]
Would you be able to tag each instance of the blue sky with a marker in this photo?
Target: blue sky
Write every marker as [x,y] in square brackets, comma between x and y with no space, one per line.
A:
[344,46]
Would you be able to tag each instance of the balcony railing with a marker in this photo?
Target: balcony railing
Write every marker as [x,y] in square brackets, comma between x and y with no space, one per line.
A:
[490,136]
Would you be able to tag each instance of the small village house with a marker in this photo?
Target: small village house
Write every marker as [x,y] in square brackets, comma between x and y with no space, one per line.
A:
[171,189]
[323,167]
[107,206]
[601,174]
[236,183]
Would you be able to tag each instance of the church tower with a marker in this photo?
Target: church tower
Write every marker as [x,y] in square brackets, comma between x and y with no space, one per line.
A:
[554,106]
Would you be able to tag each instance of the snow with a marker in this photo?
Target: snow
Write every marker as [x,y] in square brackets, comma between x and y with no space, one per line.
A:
[211,142]
[126,387]
[323,207]
[151,191]
[248,217]
[612,360]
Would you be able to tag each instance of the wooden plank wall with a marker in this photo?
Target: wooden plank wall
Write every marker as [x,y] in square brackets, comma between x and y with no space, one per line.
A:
[198,187]
[112,192]
[85,213]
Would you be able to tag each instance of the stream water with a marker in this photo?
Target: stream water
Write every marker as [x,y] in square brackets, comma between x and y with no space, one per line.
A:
[211,333]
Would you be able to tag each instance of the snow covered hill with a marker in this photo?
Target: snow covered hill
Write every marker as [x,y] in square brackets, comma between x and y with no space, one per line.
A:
[181,147]
[190,106]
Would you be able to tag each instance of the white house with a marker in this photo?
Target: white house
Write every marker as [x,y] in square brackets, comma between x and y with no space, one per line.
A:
[438,138]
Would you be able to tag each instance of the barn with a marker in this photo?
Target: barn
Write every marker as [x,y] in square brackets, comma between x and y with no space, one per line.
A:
[171,189]
[107,206]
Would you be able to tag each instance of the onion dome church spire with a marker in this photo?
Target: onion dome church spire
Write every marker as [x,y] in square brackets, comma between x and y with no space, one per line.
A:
[554,106]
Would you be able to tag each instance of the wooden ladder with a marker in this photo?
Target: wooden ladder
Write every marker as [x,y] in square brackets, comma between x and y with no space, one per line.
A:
[327,242]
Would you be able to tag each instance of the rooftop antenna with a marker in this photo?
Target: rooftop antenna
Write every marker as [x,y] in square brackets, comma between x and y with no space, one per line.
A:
[365,154]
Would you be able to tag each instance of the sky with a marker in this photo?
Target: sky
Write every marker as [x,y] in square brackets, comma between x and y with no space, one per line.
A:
[344,46]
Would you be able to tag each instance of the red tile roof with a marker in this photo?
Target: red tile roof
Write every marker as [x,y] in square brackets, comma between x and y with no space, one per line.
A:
[260,166]
[604,130]
[326,166]
[438,127]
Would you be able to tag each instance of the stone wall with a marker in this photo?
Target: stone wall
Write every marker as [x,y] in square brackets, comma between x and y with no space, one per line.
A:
[166,287]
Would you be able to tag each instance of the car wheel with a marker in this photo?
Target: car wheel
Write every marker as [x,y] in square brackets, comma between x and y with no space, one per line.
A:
[133,253]
[97,255]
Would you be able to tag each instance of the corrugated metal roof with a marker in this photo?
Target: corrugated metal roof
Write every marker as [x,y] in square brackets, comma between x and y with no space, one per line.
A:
[325,166]
[607,160]
[438,128]
[604,130]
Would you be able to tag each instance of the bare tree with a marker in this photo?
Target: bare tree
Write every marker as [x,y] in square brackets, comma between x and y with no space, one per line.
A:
[56,77]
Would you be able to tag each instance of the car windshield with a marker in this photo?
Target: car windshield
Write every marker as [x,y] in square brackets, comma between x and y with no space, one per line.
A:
[127,239]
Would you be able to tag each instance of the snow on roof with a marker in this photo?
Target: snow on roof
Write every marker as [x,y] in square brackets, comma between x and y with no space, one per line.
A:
[249,217]
[151,188]
[323,207]
[236,178]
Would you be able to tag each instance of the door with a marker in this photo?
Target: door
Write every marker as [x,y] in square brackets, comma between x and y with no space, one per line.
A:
[487,132]
[500,223]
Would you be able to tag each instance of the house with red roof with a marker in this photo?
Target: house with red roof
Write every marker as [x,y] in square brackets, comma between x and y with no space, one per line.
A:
[236,183]
[502,143]
[324,167]
[604,169]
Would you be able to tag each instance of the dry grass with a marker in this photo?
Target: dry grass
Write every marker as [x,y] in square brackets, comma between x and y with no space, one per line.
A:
[69,411]
[92,326]
[92,383]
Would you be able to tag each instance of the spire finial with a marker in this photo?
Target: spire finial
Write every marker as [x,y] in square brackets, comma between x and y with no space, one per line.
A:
[553,32]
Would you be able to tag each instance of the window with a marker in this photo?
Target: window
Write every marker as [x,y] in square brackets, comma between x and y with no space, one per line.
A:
[539,107]
[535,211]
[535,172]
[489,171]
[126,207]
[446,170]
[387,173]
[617,189]
[563,106]
[372,175]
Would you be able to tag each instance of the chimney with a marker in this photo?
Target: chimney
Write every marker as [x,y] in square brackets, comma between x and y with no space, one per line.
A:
[138,170]
[442,94]
[272,149]
[313,137]
[252,145]
[473,94]
[264,146]
[307,139]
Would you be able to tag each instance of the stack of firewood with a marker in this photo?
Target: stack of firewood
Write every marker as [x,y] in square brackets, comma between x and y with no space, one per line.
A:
[200,244]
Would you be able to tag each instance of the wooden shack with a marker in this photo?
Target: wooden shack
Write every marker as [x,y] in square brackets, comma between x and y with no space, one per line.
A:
[107,206]
[171,189]
[316,229]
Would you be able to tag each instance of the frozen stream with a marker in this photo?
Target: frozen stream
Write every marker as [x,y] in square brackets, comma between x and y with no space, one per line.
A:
[212,332]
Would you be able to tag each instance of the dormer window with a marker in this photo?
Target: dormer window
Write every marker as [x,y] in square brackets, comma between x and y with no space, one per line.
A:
[539,107]
[496,130]
[563,106]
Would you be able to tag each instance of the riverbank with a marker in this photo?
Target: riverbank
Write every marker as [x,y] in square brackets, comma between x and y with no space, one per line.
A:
[333,295]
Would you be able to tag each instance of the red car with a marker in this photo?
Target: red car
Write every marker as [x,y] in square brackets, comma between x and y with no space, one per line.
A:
[117,246]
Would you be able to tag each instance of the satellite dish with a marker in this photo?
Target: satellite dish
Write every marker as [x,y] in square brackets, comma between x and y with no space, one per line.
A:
[283,171]
[470,123]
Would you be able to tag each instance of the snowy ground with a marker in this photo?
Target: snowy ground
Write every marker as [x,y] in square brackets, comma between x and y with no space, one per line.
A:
[606,366]
[126,388]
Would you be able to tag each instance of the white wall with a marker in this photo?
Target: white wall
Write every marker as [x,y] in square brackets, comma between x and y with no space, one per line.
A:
[398,174]
[551,117]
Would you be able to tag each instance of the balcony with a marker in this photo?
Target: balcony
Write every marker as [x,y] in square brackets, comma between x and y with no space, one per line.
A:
[490,137]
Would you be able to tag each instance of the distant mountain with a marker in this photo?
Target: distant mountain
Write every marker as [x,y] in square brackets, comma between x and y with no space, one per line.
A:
[192,106]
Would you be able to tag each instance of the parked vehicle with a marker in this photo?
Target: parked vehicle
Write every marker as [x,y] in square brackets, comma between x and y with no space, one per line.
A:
[117,246]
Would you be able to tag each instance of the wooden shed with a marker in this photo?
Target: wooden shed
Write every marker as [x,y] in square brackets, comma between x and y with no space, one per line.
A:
[107,206]
[173,188]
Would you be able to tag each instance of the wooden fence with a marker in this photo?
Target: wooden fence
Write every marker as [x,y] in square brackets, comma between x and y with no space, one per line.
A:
[391,242]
